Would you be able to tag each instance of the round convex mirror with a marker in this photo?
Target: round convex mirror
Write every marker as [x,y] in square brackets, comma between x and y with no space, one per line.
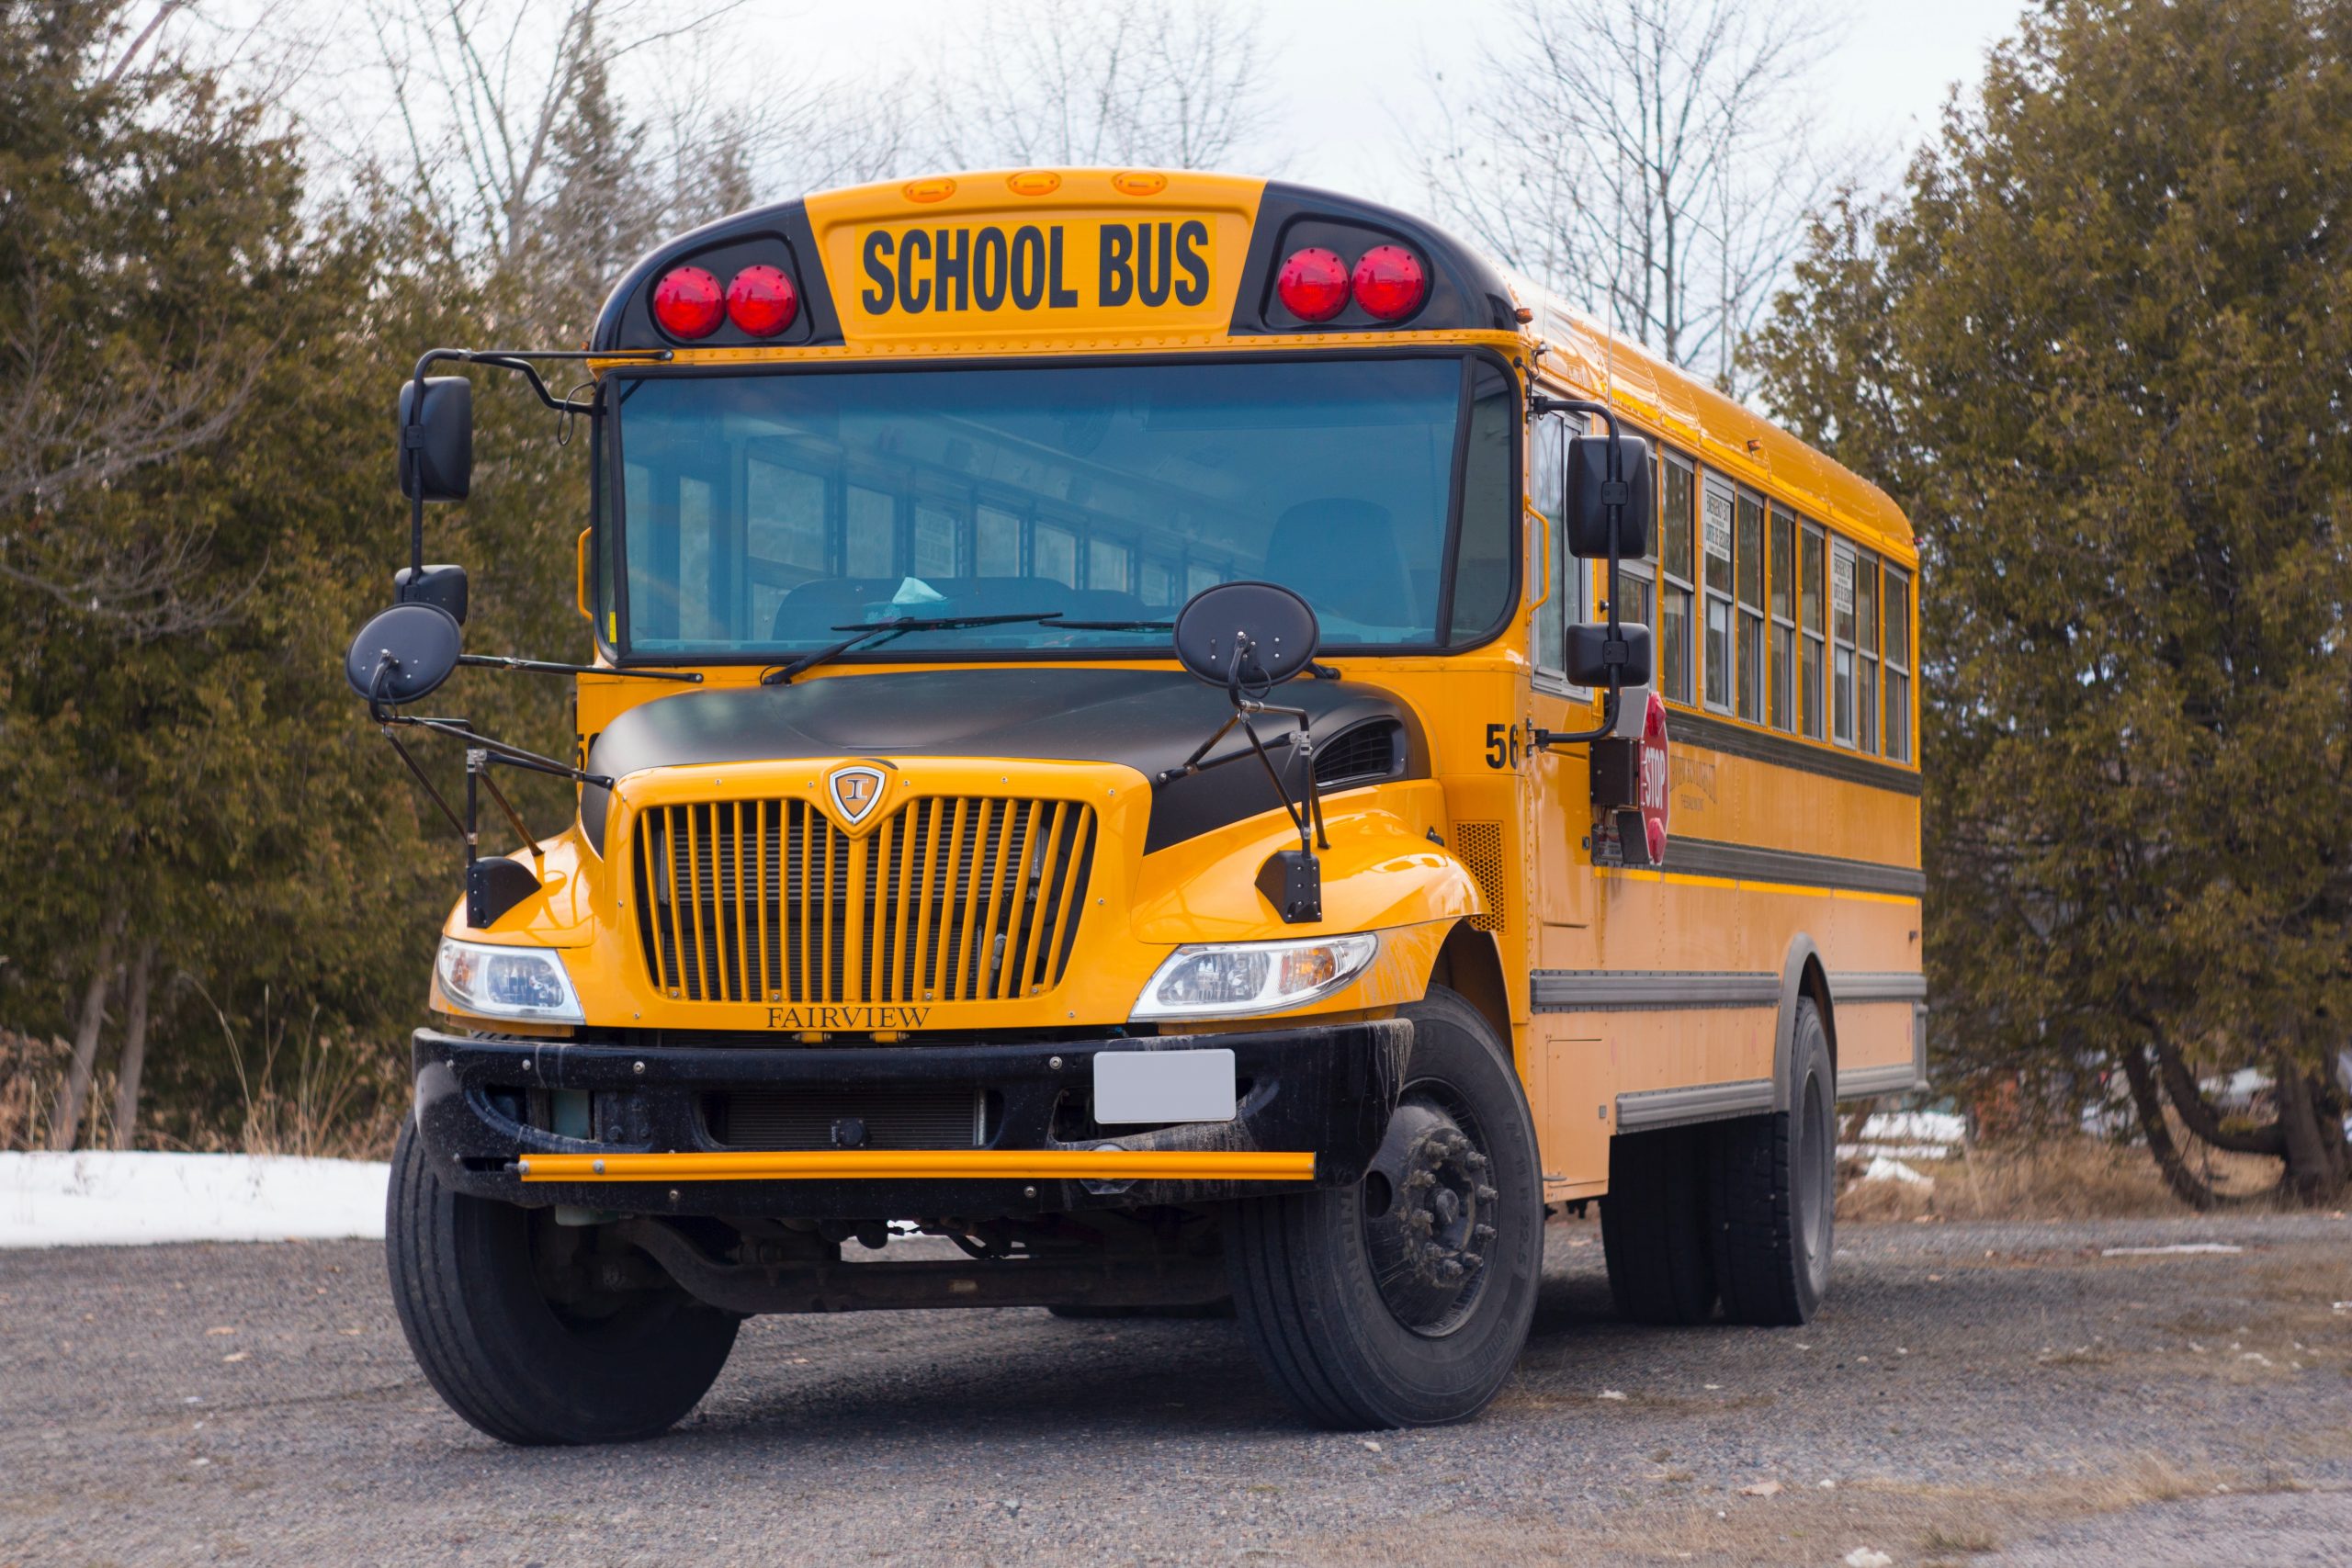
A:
[1272,629]
[410,648]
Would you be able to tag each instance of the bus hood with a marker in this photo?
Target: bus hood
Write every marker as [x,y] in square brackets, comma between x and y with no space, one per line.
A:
[1150,720]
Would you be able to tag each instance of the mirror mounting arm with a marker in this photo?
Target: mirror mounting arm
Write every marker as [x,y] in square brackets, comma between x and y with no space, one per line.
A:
[1615,494]
[515,359]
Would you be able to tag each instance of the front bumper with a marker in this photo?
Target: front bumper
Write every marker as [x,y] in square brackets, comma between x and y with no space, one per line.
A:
[1325,1092]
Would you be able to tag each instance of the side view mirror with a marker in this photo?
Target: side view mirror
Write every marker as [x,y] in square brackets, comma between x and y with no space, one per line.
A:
[1589,492]
[403,653]
[1591,655]
[1246,636]
[443,585]
[436,449]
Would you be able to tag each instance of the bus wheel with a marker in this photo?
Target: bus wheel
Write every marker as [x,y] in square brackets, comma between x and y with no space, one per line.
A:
[1775,1194]
[1403,1300]
[520,1327]
[1654,1226]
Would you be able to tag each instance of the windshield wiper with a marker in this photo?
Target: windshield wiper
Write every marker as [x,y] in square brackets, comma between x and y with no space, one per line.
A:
[882,631]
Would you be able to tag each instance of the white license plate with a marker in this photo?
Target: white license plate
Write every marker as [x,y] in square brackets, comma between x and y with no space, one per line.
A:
[1163,1085]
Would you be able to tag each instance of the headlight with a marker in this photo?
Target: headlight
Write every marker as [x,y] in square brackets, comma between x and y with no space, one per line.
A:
[1228,979]
[507,982]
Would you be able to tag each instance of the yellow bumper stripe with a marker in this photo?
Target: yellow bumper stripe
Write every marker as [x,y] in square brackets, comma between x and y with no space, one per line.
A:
[928,1165]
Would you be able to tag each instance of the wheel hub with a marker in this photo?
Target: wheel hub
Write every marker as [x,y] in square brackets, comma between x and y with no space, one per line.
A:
[1428,1208]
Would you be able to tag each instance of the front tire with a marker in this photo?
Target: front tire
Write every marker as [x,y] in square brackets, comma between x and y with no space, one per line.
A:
[521,1361]
[1773,1207]
[1403,1300]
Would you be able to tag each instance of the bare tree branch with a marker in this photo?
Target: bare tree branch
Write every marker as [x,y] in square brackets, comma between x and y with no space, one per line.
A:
[1106,82]
[1647,157]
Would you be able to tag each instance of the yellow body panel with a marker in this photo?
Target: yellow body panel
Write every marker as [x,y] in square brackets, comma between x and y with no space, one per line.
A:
[1493,849]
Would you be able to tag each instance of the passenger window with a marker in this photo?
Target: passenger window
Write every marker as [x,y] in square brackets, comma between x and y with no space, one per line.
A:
[1815,617]
[1781,689]
[1842,632]
[1677,576]
[1717,667]
[1865,644]
[1898,665]
[1750,672]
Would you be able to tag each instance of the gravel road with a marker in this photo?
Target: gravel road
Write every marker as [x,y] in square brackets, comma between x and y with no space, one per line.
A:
[1989,1393]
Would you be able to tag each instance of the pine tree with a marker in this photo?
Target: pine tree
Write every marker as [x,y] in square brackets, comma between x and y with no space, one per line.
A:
[2097,349]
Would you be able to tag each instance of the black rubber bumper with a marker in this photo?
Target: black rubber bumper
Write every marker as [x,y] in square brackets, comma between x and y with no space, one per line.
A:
[481,1104]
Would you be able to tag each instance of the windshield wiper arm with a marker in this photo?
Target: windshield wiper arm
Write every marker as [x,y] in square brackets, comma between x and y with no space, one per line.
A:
[882,631]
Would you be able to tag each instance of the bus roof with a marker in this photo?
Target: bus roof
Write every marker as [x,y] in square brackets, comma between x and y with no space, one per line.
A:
[823,239]
[1724,434]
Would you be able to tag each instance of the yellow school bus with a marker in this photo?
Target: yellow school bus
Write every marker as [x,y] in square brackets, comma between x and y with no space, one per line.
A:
[1186,737]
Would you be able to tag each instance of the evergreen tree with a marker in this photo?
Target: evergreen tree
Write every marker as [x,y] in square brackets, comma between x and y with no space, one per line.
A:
[2097,349]
[184,789]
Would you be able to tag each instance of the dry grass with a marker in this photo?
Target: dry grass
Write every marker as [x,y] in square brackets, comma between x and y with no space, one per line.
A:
[30,1073]
[2062,1178]
[1910,1521]
[1963,1540]
[299,1094]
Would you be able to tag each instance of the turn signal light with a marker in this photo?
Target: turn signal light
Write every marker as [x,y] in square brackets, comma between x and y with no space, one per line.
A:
[761,300]
[1389,283]
[1312,284]
[687,303]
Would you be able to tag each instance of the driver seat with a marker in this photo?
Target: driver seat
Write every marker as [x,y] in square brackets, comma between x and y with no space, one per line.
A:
[1341,555]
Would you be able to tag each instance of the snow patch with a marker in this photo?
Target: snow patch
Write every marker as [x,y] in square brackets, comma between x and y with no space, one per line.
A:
[2177,1246]
[1914,1127]
[1885,1170]
[101,1198]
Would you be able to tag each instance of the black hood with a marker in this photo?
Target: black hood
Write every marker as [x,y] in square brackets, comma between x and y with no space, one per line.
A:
[1149,720]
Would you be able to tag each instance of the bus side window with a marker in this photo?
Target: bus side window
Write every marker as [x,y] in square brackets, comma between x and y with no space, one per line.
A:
[1750,574]
[999,537]
[1898,665]
[1678,576]
[1716,668]
[1866,641]
[1815,617]
[1781,690]
[1841,635]
[1546,464]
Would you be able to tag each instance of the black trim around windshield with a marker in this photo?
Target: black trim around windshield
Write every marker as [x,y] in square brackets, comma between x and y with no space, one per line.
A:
[611,490]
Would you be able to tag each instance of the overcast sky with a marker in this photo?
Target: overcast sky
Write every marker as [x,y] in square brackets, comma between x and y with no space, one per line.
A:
[1349,77]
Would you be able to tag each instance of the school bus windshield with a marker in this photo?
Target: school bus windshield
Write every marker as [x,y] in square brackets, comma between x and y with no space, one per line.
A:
[758,514]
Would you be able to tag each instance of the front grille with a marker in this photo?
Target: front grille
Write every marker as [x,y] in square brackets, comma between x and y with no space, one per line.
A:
[950,898]
[812,1117]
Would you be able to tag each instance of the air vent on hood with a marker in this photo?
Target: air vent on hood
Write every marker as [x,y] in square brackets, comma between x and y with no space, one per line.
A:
[1364,754]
